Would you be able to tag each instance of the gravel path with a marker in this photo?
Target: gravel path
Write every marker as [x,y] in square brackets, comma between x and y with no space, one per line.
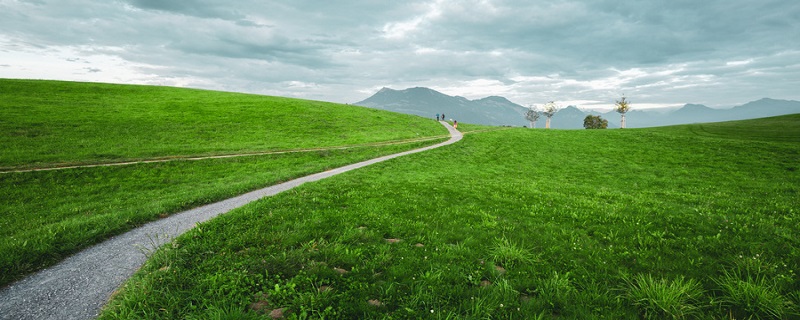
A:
[79,286]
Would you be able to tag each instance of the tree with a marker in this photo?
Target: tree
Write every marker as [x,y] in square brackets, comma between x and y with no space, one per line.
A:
[532,115]
[550,109]
[622,106]
[595,122]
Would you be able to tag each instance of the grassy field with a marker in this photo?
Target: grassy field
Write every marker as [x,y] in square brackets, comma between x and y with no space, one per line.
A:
[696,221]
[48,215]
[46,123]
[775,129]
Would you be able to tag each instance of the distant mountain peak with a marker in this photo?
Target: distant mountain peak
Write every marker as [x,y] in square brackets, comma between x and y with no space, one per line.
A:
[571,110]
[695,106]
[427,102]
[422,89]
[691,108]
[496,99]
[497,110]
[768,102]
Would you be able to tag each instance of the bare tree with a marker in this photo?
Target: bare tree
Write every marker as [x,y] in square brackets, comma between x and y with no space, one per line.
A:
[532,115]
[550,109]
[622,106]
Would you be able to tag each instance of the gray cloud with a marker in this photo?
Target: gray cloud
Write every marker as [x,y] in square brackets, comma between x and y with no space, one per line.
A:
[656,52]
[197,8]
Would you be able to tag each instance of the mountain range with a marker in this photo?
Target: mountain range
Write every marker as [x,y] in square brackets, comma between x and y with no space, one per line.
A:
[495,110]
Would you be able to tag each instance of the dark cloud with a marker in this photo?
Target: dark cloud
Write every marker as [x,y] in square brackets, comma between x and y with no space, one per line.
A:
[665,52]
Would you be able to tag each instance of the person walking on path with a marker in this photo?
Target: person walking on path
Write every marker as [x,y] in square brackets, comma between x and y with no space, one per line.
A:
[455,124]
[443,117]
[437,117]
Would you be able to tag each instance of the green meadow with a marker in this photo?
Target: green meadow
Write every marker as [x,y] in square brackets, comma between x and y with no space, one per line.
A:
[53,123]
[47,215]
[695,221]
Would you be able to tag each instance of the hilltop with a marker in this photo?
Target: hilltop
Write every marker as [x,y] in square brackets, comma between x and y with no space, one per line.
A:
[56,122]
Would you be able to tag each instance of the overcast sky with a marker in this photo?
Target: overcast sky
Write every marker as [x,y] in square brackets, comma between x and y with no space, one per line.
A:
[586,53]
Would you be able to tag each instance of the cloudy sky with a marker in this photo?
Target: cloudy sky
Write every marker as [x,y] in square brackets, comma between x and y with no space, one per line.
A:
[588,53]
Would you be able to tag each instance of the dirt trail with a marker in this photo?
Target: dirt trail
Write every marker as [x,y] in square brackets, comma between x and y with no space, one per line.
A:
[222,156]
[79,286]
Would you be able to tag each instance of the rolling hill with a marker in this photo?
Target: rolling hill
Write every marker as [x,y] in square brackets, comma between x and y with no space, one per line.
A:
[57,122]
[688,221]
[46,215]
[508,223]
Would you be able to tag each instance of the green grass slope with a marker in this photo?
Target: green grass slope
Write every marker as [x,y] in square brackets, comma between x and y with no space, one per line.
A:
[53,122]
[520,224]
[771,129]
[47,215]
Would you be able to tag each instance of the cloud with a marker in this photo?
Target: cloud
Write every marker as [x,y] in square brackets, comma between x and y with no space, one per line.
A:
[660,52]
[197,8]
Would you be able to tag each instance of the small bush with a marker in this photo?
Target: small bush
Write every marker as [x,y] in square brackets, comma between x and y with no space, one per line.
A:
[595,122]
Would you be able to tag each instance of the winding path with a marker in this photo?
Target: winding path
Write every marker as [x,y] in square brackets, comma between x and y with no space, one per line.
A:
[79,286]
